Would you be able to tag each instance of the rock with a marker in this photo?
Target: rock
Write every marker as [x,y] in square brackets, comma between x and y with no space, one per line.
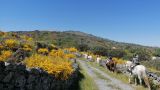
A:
[8,78]
[20,81]
[17,77]
[2,66]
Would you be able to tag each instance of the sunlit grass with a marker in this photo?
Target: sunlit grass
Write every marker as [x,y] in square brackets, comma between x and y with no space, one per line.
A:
[87,83]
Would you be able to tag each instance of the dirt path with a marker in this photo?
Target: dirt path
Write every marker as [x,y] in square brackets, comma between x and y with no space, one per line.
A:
[103,80]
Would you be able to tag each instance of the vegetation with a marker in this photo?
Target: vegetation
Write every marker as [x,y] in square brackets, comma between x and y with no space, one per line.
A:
[45,56]
[86,83]
[87,42]
[49,49]
[122,77]
[56,66]
[5,55]
[157,52]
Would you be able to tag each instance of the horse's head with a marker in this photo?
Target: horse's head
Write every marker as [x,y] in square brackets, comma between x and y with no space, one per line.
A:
[129,66]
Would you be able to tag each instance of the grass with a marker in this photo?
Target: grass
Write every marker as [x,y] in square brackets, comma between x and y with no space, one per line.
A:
[86,83]
[101,76]
[104,78]
[121,77]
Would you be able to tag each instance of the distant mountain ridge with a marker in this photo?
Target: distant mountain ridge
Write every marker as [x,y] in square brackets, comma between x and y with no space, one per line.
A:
[77,37]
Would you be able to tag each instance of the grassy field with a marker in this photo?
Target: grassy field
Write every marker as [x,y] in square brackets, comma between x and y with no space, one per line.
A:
[86,82]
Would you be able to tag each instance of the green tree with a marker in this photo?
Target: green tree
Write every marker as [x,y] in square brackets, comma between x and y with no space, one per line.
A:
[157,52]
[99,50]
[144,55]
[82,47]
[117,53]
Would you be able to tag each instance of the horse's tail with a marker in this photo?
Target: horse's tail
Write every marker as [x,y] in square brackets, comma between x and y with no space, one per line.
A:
[146,80]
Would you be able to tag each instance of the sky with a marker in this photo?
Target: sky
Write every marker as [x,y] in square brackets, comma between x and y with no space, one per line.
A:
[131,21]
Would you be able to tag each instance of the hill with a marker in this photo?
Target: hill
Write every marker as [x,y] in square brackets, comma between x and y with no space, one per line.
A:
[89,42]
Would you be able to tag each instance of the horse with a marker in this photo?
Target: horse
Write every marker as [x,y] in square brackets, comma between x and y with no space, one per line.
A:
[111,65]
[85,56]
[137,71]
[98,59]
[90,58]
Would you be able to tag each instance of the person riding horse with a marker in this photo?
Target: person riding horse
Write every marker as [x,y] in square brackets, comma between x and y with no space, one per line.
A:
[111,64]
[135,60]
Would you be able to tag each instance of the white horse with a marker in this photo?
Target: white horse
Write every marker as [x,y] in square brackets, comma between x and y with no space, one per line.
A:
[85,56]
[137,71]
[90,57]
[98,59]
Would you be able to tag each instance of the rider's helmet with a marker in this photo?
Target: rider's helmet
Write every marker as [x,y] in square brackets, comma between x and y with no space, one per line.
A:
[136,56]
[110,58]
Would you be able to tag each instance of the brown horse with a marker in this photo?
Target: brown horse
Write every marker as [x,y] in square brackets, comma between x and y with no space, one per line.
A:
[111,65]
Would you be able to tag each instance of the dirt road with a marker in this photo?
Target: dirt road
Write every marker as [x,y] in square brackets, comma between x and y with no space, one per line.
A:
[103,80]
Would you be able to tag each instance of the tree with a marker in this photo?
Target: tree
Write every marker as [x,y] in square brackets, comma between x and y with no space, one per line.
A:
[82,47]
[117,53]
[99,50]
[143,54]
[157,52]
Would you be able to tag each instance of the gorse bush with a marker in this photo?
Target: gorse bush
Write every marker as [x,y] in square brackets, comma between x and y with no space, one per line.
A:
[1,46]
[26,38]
[57,53]
[4,55]
[72,49]
[27,47]
[70,56]
[60,53]
[59,67]
[11,43]
[43,51]
[119,61]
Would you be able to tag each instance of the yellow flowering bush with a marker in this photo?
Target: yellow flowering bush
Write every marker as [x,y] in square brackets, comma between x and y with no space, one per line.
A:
[70,56]
[57,53]
[1,46]
[27,47]
[26,38]
[11,43]
[119,61]
[56,66]
[5,54]
[43,51]
[72,49]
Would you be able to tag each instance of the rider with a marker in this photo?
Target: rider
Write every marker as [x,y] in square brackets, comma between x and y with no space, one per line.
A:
[135,60]
[110,59]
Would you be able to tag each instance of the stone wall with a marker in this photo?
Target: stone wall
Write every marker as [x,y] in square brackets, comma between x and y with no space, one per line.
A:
[18,77]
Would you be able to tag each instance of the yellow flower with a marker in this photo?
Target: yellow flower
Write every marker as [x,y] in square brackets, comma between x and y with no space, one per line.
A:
[43,50]
[27,47]
[1,46]
[72,49]
[119,61]
[57,53]
[69,56]
[11,43]
[56,66]
[5,54]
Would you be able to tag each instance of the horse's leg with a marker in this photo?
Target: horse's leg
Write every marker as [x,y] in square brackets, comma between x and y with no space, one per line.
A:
[135,80]
[140,80]
[130,78]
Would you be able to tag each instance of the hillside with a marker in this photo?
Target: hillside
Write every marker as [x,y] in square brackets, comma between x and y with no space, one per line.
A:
[88,42]
[78,37]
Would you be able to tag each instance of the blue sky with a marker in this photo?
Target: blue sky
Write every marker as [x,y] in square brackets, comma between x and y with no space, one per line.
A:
[133,21]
